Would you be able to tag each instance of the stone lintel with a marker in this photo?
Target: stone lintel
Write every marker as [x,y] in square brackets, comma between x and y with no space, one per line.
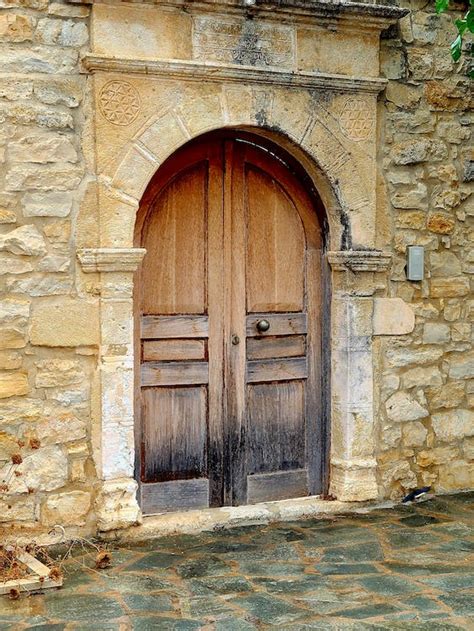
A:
[380,14]
[360,260]
[110,259]
[213,72]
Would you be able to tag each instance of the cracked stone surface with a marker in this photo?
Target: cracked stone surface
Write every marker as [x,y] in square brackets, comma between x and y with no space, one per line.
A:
[411,567]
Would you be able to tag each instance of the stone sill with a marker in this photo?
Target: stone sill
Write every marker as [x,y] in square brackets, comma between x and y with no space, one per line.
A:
[196,521]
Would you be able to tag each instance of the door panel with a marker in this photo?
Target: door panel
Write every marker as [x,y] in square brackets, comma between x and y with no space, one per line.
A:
[176,236]
[230,411]
[275,246]
[176,433]
[276,427]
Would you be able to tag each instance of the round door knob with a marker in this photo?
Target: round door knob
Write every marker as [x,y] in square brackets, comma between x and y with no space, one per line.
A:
[263,326]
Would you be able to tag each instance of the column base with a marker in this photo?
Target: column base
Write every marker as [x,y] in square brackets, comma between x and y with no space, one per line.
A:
[116,505]
[354,480]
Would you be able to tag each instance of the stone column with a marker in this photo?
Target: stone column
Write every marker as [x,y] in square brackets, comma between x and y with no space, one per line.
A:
[113,429]
[357,275]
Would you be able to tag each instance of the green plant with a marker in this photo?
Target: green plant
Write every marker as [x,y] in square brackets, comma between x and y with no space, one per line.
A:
[464,25]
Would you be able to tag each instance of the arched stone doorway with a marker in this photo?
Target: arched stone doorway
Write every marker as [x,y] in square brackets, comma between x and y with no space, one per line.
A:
[232,324]
[303,113]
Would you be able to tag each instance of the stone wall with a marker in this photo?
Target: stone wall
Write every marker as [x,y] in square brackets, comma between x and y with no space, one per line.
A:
[49,311]
[427,399]
[47,338]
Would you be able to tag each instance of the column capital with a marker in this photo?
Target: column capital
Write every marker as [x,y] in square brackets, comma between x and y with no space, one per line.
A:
[359,260]
[110,259]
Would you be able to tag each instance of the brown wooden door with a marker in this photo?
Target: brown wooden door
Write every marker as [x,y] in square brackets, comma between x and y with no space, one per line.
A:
[229,392]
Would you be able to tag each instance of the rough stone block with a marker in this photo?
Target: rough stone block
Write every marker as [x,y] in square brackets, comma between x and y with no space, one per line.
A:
[67,509]
[66,322]
[25,240]
[422,376]
[13,384]
[392,316]
[53,373]
[57,204]
[402,407]
[449,287]
[462,367]
[414,434]
[453,425]
[42,147]
[435,333]
[44,469]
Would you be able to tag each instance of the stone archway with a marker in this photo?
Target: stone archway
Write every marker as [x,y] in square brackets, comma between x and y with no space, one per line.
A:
[328,124]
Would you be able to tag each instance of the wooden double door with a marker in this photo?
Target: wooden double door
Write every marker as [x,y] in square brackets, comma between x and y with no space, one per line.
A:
[228,331]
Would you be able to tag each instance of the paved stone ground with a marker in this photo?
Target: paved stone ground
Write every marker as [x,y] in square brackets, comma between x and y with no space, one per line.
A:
[407,568]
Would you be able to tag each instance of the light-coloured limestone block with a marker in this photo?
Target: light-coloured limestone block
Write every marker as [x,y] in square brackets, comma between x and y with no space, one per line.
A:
[453,424]
[65,322]
[57,204]
[399,357]
[436,333]
[449,287]
[51,373]
[414,434]
[7,216]
[13,384]
[45,469]
[456,476]
[18,510]
[436,456]
[43,147]
[353,481]
[402,407]
[462,367]
[9,360]
[393,316]
[14,314]
[25,240]
[59,427]
[421,376]
[66,509]
[450,395]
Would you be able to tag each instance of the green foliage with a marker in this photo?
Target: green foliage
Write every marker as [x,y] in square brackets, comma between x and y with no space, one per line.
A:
[463,25]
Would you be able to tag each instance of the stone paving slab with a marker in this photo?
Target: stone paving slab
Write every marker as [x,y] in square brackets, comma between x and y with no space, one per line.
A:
[411,567]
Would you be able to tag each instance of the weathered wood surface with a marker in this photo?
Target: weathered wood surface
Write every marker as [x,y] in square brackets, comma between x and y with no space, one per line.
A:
[173,350]
[164,327]
[165,497]
[276,370]
[284,324]
[267,487]
[276,347]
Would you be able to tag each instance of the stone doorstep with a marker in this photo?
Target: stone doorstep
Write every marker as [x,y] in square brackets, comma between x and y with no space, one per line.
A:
[196,521]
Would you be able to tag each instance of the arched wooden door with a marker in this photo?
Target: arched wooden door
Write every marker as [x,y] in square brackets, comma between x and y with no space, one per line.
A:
[229,324]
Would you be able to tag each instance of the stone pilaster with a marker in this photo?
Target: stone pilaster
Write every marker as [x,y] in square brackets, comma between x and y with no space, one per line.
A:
[113,438]
[356,276]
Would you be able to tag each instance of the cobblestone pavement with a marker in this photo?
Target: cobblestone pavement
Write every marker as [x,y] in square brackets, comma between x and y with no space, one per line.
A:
[405,568]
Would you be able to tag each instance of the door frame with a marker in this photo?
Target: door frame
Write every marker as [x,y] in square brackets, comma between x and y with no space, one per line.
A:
[318,461]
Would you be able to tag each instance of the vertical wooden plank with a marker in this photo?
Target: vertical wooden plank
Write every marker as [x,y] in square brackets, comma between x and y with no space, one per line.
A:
[215,284]
[235,235]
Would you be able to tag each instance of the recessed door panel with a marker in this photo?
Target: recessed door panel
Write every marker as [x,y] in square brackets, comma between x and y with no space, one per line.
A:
[275,246]
[174,279]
